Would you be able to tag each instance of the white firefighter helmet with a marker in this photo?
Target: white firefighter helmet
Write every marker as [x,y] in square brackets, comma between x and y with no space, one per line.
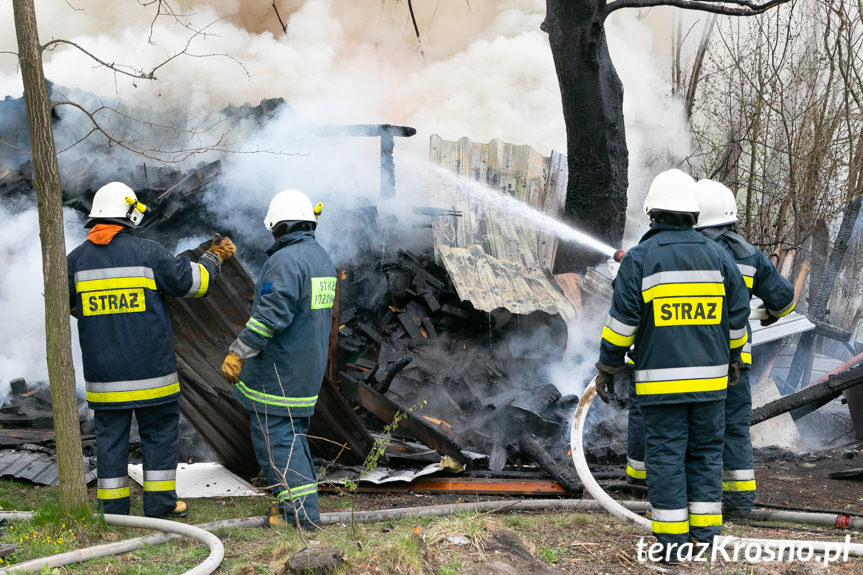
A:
[718,204]
[672,191]
[289,205]
[117,201]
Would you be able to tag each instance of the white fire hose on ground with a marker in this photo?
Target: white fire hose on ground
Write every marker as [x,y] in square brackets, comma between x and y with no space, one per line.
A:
[170,530]
[621,512]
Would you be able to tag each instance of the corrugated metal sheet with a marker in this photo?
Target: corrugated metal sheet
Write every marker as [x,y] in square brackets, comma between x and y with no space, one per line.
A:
[37,467]
[493,260]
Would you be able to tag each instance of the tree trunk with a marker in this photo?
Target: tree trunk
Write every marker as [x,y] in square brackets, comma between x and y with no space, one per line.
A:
[592,98]
[46,182]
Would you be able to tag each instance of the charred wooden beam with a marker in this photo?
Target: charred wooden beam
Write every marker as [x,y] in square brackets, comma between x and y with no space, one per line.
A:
[564,473]
[386,409]
[814,395]
[831,331]
[387,133]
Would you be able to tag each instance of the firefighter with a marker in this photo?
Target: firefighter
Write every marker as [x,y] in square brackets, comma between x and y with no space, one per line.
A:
[277,362]
[679,298]
[117,284]
[717,219]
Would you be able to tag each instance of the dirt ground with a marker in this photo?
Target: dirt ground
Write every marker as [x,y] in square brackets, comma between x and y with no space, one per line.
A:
[557,543]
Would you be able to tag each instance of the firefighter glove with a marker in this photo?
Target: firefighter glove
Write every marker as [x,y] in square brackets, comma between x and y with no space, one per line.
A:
[222,247]
[733,373]
[231,368]
[605,380]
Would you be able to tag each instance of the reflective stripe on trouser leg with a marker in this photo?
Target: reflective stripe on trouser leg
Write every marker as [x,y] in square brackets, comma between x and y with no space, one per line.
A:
[705,514]
[704,466]
[665,440]
[158,427]
[283,453]
[738,494]
[635,470]
[111,427]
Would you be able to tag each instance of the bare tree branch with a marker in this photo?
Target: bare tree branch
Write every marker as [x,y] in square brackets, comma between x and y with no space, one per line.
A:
[151,74]
[159,154]
[279,16]
[417,30]
[726,7]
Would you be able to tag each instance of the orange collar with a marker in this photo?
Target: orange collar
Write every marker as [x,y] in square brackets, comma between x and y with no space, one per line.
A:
[102,234]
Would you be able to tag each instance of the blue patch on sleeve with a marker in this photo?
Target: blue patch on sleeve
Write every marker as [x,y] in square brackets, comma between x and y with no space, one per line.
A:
[266,288]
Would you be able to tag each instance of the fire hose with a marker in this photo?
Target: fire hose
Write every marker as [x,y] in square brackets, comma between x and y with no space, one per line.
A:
[621,512]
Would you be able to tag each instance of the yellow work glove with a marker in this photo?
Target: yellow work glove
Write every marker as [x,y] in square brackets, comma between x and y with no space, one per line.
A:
[222,247]
[231,368]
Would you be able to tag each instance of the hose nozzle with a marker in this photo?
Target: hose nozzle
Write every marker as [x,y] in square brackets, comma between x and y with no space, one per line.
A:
[618,255]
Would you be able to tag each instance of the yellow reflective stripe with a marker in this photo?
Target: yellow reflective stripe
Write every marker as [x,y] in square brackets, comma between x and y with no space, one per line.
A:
[159,485]
[136,395]
[205,282]
[672,527]
[738,485]
[115,283]
[635,473]
[746,358]
[681,386]
[749,281]
[615,338]
[781,313]
[682,290]
[118,493]
[259,328]
[705,520]
[740,341]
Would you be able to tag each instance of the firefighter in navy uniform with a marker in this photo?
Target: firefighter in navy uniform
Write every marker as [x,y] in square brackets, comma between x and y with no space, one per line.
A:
[277,362]
[679,298]
[117,284]
[717,219]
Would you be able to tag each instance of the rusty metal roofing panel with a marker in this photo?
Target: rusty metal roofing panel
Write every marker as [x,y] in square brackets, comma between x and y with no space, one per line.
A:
[203,330]
[495,260]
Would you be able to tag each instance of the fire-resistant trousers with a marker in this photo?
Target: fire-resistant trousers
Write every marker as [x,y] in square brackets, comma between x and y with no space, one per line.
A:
[635,469]
[738,473]
[283,453]
[157,427]
[683,453]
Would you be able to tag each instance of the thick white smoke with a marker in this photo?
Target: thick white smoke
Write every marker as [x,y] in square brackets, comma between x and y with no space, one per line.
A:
[22,308]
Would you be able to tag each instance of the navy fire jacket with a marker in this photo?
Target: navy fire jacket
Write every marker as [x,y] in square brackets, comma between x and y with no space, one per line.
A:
[681,300]
[290,325]
[116,291]
[761,277]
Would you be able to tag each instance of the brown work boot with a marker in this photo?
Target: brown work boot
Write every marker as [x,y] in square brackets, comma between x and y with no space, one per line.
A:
[180,510]
[275,518]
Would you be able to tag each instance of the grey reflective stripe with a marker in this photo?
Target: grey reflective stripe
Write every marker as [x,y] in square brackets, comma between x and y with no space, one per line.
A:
[112,482]
[620,327]
[111,273]
[705,507]
[670,515]
[674,373]
[160,475]
[131,385]
[748,271]
[196,280]
[783,311]
[737,333]
[681,277]
[738,475]
[635,464]
[747,347]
